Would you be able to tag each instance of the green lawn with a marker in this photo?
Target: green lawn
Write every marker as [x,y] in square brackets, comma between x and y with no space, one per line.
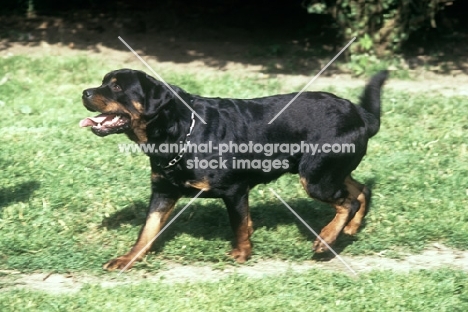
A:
[440,290]
[69,201]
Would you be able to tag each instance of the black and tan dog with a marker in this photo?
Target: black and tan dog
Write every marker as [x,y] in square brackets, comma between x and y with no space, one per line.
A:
[143,108]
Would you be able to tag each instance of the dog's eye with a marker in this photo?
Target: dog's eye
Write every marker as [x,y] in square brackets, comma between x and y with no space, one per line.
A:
[116,88]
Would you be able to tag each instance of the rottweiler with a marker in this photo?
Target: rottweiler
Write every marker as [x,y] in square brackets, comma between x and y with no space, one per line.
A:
[242,147]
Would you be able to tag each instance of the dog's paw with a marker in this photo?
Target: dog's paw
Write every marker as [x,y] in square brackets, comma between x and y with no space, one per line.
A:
[240,256]
[118,263]
[319,246]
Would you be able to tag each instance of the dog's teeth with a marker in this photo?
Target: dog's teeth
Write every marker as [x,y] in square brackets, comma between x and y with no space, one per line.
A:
[116,118]
[99,125]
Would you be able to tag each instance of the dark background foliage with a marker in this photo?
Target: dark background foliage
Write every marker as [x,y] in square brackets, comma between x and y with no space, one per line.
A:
[381,26]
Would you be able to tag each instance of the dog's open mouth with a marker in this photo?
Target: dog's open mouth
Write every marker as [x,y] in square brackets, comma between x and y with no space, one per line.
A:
[105,124]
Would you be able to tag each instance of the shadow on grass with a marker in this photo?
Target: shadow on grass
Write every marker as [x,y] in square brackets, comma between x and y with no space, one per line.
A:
[18,193]
[133,215]
[169,34]
[208,220]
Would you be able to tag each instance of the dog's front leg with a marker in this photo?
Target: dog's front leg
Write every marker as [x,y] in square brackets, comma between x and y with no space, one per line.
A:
[160,208]
[237,205]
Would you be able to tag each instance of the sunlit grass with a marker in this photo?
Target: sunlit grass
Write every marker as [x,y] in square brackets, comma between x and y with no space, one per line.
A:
[440,290]
[70,201]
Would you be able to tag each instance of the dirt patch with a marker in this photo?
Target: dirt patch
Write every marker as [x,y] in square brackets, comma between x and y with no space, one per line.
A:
[436,257]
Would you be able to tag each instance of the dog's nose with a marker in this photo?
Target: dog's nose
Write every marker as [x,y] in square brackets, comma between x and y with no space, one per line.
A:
[87,93]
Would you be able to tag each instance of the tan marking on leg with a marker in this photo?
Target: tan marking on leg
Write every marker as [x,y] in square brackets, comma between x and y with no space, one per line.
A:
[330,232]
[243,250]
[154,223]
[358,191]
[250,226]
[353,225]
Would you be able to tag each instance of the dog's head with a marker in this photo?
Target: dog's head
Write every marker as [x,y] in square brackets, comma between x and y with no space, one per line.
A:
[126,101]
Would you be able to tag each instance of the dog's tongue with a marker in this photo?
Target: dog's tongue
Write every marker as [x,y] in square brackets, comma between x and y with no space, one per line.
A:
[93,121]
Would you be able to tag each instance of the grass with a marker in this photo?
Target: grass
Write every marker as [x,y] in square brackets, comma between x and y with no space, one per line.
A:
[66,195]
[441,290]
[69,201]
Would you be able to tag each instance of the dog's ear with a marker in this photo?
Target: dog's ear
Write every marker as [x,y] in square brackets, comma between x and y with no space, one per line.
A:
[156,96]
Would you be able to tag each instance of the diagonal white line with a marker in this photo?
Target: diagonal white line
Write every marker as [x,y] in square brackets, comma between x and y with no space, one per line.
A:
[160,232]
[160,78]
[313,79]
[315,233]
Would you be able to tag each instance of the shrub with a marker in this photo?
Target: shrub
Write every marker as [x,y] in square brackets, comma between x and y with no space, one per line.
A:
[381,26]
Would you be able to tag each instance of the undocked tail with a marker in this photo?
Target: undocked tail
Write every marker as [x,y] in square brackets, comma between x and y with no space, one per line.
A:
[370,101]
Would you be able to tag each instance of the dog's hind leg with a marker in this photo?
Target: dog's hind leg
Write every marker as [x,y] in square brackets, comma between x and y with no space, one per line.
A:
[237,204]
[362,194]
[345,203]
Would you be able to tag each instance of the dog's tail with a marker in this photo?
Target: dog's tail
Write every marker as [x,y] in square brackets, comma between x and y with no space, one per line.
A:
[370,101]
